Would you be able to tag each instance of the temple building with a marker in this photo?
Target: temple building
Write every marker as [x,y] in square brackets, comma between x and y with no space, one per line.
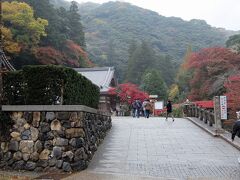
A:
[104,78]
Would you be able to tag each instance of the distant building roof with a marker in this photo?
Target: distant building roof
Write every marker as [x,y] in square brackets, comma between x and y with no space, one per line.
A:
[103,77]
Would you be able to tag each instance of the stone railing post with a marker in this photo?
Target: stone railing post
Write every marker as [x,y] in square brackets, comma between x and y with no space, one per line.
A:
[217,114]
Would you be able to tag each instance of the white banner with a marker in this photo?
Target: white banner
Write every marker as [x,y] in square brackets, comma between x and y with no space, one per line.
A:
[158,105]
[223,107]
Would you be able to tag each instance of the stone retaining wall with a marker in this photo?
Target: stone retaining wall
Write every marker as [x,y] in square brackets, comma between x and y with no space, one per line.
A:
[52,138]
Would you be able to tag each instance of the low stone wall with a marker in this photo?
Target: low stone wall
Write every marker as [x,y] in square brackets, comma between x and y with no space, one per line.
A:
[46,138]
[204,115]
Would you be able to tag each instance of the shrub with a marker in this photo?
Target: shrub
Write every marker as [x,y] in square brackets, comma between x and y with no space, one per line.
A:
[42,85]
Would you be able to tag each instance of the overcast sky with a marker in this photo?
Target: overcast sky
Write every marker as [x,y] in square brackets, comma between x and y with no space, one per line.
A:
[218,13]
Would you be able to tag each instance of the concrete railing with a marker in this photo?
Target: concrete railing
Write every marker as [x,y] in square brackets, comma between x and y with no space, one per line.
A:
[52,137]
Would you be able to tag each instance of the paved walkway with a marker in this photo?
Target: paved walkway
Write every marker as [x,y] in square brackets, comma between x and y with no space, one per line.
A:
[158,149]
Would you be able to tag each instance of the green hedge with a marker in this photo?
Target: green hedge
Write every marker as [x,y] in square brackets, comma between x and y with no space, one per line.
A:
[36,85]
[14,88]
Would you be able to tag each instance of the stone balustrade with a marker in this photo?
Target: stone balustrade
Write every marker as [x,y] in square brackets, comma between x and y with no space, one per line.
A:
[52,137]
[204,115]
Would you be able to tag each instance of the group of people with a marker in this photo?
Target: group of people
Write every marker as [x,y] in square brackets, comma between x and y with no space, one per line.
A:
[146,107]
[141,108]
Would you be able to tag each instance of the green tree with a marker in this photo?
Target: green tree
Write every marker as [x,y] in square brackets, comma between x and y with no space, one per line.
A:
[140,59]
[153,83]
[167,67]
[75,31]
[57,19]
[184,75]
[233,42]
[26,30]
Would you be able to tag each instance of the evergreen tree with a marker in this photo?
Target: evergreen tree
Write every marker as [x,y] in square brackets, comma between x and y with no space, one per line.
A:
[153,83]
[167,68]
[75,26]
[141,59]
[233,42]
[56,30]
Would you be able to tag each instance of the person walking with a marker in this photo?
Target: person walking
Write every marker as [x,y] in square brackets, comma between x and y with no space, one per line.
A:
[236,131]
[143,107]
[169,110]
[138,105]
[134,107]
[148,108]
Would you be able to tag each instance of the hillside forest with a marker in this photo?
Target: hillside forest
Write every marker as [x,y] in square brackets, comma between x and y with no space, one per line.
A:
[169,57]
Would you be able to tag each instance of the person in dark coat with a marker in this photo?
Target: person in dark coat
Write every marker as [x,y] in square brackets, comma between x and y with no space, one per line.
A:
[169,110]
[236,129]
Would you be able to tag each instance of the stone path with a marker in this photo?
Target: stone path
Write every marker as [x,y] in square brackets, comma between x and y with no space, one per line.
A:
[158,149]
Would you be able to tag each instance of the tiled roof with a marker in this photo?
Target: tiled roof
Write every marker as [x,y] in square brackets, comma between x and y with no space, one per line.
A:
[101,76]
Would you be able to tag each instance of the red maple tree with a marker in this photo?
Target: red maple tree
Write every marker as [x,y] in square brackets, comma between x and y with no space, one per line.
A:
[128,92]
[211,66]
[232,86]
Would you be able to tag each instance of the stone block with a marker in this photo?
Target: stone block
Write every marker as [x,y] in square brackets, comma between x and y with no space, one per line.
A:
[56,125]
[30,166]
[59,163]
[36,119]
[63,115]
[48,144]
[74,117]
[66,124]
[26,126]
[4,146]
[13,146]
[38,147]
[57,152]
[26,135]
[75,132]
[68,156]
[50,116]
[77,142]
[7,156]
[52,162]
[45,127]
[50,136]
[15,136]
[34,133]
[26,146]
[17,156]
[18,165]
[25,156]
[16,115]
[42,163]
[66,167]
[44,155]
[20,122]
[60,142]
[80,155]
[80,165]
[34,156]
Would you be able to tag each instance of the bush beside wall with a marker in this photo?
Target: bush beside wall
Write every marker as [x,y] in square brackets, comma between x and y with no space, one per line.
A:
[45,85]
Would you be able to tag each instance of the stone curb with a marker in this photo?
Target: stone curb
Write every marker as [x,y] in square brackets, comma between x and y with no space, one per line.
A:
[62,108]
[211,130]
[208,130]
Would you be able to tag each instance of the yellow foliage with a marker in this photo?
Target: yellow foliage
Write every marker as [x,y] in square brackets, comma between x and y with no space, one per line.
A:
[9,45]
[25,29]
[173,92]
